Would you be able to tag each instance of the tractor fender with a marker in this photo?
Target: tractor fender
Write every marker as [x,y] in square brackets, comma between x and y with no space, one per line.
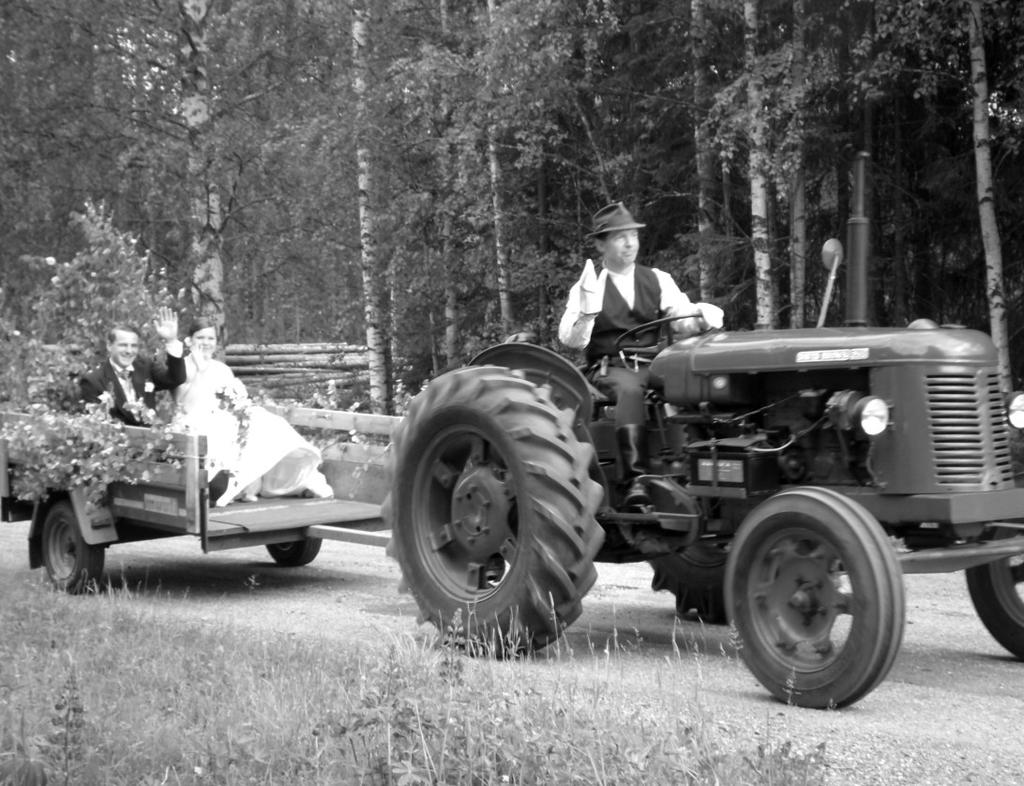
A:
[542,366]
[569,388]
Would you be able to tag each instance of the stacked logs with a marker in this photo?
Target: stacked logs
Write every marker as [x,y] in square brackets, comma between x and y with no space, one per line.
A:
[279,368]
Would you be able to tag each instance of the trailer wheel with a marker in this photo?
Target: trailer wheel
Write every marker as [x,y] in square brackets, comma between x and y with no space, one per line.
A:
[71,564]
[492,510]
[696,577]
[295,553]
[816,596]
[995,589]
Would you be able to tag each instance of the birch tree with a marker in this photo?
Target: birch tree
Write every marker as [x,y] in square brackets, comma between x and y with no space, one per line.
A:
[986,194]
[703,151]
[798,190]
[494,167]
[373,313]
[758,165]
[451,294]
[197,112]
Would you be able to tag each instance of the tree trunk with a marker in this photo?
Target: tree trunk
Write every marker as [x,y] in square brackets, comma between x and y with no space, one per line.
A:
[373,313]
[544,244]
[898,296]
[703,153]
[451,309]
[798,246]
[500,249]
[451,293]
[595,147]
[435,356]
[758,166]
[798,194]
[986,196]
[205,247]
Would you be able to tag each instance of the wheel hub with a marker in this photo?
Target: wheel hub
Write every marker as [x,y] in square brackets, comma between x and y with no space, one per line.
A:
[62,551]
[480,507]
[806,601]
[800,597]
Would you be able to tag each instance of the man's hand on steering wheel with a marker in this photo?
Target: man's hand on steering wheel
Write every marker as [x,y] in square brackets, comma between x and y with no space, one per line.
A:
[712,317]
[702,323]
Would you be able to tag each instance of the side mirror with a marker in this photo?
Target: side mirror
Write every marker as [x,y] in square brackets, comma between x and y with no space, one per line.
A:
[831,258]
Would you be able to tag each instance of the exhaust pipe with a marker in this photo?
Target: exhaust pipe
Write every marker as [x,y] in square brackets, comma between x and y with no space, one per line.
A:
[858,241]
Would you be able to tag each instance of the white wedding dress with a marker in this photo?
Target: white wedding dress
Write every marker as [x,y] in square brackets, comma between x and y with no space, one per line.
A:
[270,459]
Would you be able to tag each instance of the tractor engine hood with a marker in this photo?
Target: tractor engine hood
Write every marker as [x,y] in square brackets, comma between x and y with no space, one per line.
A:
[715,367]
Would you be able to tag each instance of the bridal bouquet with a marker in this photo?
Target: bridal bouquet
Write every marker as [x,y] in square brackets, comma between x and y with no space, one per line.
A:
[235,401]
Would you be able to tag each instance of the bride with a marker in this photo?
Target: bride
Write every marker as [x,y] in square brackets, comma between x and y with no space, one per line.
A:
[261,451]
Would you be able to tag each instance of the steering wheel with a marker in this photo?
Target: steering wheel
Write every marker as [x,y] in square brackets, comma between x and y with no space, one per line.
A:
[622,337]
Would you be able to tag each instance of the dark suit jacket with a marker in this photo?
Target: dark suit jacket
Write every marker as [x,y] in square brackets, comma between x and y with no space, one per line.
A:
[160,376]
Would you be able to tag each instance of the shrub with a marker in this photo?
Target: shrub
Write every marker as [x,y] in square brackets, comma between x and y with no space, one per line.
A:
[108,282]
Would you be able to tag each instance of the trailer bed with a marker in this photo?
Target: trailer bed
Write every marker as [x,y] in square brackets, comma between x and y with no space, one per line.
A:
[287,518]
[288,513]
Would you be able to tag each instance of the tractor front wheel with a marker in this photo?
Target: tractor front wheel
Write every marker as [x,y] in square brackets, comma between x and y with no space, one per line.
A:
[492,509]
[816,596]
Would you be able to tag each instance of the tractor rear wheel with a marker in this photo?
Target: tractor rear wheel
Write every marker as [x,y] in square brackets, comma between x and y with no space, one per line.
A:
[696,577]
[492,510]
[996,591]
[816,595]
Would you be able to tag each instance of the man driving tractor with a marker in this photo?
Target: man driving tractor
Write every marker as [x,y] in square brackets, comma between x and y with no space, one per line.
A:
[596,315]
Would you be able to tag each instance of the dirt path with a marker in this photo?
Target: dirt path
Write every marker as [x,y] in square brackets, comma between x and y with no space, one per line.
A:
[949,712]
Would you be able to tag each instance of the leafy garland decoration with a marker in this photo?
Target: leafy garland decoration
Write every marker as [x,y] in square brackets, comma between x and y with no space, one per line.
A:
[56,450]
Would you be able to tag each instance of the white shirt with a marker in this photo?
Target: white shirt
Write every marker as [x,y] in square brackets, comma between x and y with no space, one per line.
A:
[575,328]
[124,379]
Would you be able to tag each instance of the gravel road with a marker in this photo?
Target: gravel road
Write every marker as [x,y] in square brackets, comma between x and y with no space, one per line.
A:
[947,714]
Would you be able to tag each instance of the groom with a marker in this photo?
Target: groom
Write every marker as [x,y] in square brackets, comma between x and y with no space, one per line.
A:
[129,381]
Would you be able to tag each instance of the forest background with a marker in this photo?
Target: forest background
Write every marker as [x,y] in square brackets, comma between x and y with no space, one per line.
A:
[419,175]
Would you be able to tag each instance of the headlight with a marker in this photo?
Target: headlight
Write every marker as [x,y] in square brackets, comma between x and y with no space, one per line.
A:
[1015,410]
[871,414]
[851,410]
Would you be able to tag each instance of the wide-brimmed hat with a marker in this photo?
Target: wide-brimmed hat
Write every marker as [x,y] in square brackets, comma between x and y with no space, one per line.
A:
[613,218]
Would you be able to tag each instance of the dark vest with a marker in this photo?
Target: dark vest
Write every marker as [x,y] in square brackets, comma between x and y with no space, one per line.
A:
[616,317]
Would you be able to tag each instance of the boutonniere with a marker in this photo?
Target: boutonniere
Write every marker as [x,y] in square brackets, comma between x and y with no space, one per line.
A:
[149,387]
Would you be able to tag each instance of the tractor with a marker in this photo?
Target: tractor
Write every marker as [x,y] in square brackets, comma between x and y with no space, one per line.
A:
[795,476]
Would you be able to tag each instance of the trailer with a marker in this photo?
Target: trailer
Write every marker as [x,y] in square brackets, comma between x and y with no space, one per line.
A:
[69,535]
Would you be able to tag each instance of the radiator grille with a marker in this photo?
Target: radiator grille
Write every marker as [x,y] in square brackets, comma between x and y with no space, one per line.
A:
[970,437]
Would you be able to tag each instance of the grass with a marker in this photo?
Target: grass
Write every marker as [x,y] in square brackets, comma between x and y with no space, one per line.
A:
[95,690]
